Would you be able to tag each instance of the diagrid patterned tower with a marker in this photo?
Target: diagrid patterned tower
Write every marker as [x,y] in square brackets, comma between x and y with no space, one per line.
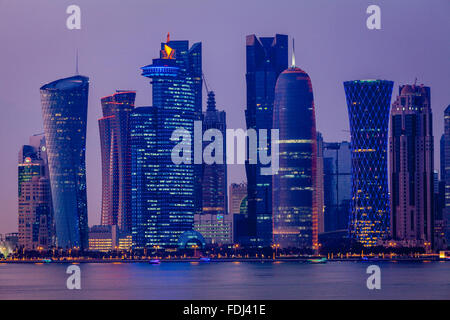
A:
[368,104]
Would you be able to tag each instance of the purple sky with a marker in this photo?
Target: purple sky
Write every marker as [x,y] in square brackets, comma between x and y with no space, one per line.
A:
[118,37]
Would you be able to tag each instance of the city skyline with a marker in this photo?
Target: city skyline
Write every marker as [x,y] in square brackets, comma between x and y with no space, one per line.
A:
[65,63]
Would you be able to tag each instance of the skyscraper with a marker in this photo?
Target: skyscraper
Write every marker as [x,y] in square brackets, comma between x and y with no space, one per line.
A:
[35,205]
[294,203]
[411,166]
[166,191]
[145,199]
[447,173]
[368,104]
[189,60]
[114,143]
[64,110]
[214,176]
[266,58]
[337,185]
[319,191]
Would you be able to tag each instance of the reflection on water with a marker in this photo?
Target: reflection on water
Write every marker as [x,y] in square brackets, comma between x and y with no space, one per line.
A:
[289,280]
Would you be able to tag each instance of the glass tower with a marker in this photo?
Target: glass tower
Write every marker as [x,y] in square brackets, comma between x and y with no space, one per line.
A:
[295,215]
[145,200]
[189,60]
[368,104]
[337,185]
[64,110]
[114,143]
[174,107]
[266,58]
[446,149]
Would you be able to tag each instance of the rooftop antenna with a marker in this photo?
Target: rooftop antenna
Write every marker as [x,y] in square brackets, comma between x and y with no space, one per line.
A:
[415,81]
[204,81]
[76,64]
[293,53]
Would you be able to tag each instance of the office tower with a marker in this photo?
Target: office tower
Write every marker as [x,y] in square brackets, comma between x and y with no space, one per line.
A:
[64,109]
[266,58]
[294,203]
[35,203]
[214,176]
[146,211]
[368,104]
[189,61]
[116,161]
[163,196]
[411,166]
[446,159]
[337,185]
[319,191]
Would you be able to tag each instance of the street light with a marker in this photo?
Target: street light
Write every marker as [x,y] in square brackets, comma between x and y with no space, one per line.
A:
[235,247]
[195,249]
[156,247]
[276,246]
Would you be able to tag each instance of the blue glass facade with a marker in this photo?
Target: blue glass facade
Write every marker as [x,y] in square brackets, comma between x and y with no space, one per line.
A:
[295,212]
[266,58]
[145,204]
[337,185]
[368,104]
[64,110]
[114,143]
[170,210]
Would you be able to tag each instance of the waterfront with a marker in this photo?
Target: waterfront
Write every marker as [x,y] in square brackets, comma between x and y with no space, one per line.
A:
[227,280]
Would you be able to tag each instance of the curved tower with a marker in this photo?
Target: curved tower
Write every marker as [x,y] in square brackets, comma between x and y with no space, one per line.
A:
[64,110]
[116,174]
[293,201]
[368,104]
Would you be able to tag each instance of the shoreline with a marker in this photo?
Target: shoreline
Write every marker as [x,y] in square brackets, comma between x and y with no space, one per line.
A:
[223,260]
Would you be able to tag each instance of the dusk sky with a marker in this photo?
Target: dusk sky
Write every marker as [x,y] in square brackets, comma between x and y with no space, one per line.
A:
[118,37]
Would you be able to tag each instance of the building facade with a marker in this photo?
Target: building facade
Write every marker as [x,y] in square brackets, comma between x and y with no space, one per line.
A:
[237,192]
[64,110]
[114,130]
[337,185]
[411,166]
[189,61]
[294,202]
[216,229]
[368,104]
[446,170]
[214,176]
[319,191]
[163,192]
[35,220]
[145,200]
[266,58]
